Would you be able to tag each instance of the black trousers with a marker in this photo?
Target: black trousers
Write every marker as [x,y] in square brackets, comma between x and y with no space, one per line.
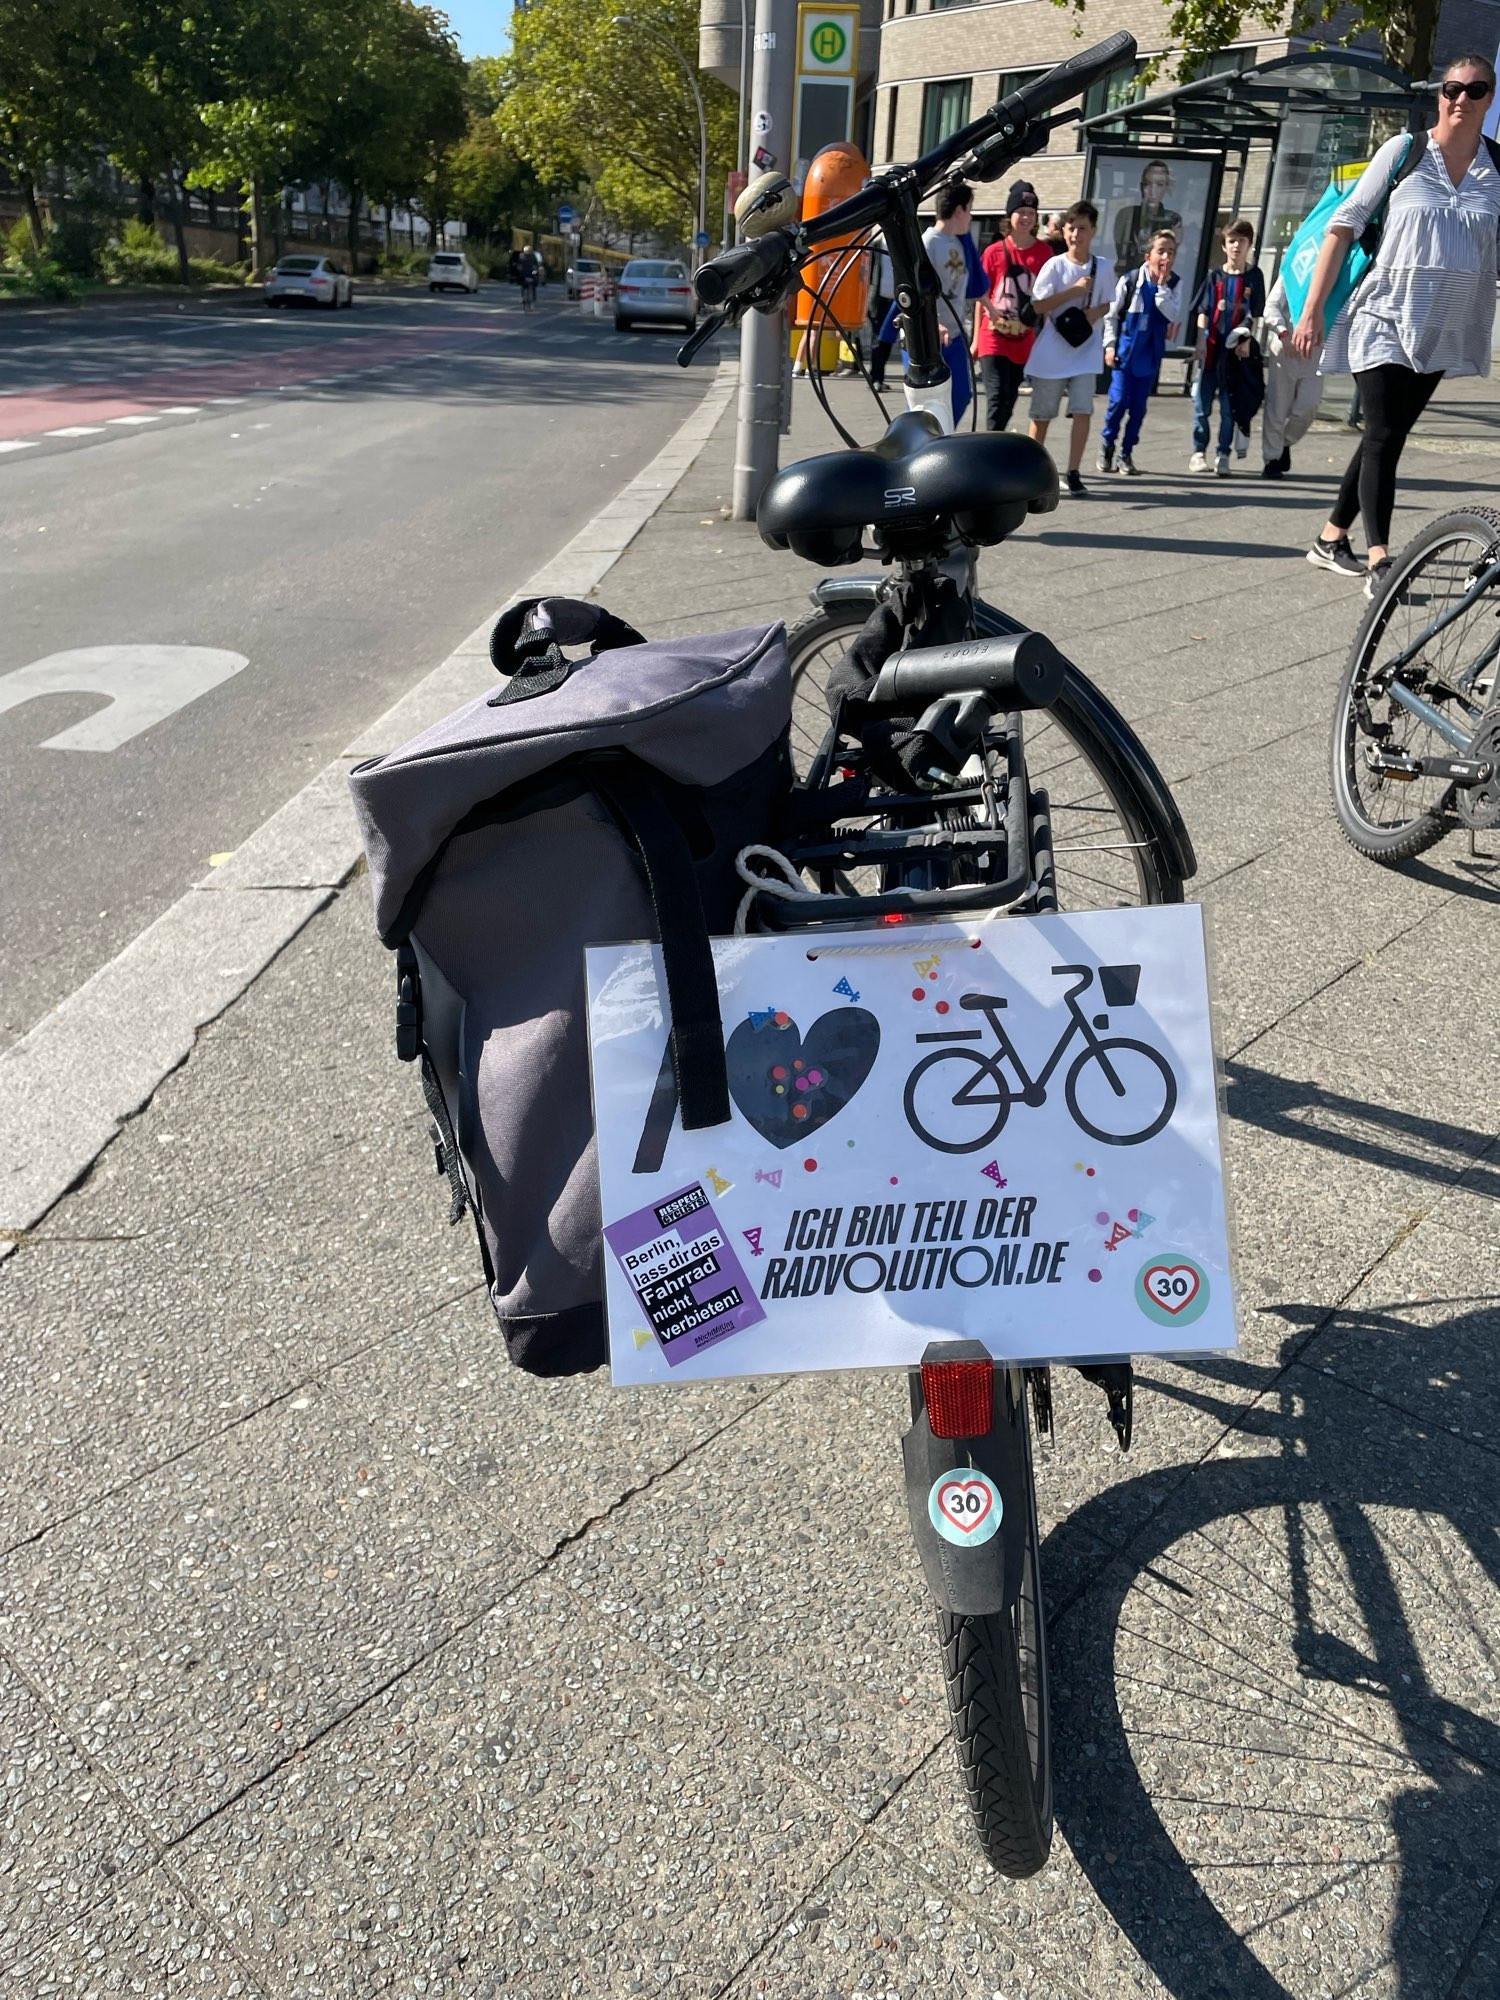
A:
[1392,398]
[1002,385]
[880,350]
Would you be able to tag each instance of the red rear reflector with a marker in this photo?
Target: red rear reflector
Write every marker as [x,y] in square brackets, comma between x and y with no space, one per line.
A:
[893,920]
[959,1397]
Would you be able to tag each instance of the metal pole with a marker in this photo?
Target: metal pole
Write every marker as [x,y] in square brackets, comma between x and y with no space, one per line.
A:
[742,115]
[764,351]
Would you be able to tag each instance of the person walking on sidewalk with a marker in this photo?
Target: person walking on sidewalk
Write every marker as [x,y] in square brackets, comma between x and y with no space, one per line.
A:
[1425,309]
[1146,312]
[1005,321]
[882,292]
[1293,386]
[1071,296]
[1232,299]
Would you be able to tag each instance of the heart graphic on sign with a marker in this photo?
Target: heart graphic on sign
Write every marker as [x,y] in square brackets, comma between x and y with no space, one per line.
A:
[1172,1286]
[965,1502]
[788,1084]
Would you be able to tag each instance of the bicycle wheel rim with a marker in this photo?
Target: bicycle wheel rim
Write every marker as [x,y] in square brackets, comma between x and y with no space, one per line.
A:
[1431,575]
[1100,862]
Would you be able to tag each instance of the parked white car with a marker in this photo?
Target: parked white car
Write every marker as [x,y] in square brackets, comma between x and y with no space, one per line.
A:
[655,288]
[581,268]
[317,281]
[451,271]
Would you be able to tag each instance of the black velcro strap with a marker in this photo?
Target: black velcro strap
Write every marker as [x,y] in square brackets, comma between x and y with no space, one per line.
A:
[527,641]
[639,801]
[432,1090]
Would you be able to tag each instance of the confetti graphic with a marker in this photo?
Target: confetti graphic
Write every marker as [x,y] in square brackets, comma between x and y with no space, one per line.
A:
[717,1181]
[773,1178]
[992,1173]
[926,968]
[846,990]
[752,1237]
[763,1017]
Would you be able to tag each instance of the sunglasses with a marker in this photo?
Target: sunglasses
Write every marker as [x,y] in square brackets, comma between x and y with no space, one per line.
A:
[1453,90]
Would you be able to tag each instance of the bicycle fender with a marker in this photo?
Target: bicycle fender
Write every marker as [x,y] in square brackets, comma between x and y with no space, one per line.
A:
[971,1582]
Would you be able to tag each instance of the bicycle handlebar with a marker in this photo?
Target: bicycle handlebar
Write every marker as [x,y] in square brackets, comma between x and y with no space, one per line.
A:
[741,269]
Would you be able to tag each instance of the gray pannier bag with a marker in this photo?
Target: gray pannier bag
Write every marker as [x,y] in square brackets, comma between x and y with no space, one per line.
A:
[587,801]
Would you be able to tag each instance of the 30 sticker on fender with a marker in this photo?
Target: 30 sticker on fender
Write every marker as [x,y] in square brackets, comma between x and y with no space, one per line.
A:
[986,1132]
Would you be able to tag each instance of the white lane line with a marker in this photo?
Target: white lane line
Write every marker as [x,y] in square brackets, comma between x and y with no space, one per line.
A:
[222,402]
[18,444]
[137,1018]
[180,410]
[77,431]
[132,420]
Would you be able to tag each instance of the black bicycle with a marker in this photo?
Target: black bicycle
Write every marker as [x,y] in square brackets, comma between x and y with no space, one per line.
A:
[1416,733]
[952,761]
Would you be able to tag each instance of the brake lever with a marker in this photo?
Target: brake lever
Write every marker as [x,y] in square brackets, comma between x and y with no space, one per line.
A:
[690,349]
[997,156]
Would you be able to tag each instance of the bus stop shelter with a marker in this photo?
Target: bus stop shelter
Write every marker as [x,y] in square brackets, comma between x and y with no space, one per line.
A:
[1262,142]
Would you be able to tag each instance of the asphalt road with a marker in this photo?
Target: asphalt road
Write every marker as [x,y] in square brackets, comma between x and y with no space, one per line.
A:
[335,498]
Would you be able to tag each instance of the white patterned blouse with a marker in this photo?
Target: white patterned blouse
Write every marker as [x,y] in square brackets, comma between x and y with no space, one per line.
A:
[1428,302]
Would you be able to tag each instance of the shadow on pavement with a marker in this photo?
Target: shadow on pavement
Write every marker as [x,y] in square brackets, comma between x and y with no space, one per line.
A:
[1332,1685]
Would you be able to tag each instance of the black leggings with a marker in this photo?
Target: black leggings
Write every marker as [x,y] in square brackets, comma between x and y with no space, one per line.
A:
[1393,398]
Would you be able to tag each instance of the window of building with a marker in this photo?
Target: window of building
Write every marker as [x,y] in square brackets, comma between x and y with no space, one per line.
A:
[1012,79]
[1121,87]
[890,123]
[1223,62]
[945,110]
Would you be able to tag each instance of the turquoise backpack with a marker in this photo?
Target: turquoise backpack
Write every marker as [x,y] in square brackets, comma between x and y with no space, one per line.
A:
[1301,256]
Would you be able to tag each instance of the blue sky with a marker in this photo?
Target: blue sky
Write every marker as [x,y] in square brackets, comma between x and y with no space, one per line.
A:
[482,26]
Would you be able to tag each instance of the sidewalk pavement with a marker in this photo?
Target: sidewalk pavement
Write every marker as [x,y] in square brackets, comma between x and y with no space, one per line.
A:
[341,1660]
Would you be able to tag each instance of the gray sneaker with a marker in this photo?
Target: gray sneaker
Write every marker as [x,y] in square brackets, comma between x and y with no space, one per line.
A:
[1336,556]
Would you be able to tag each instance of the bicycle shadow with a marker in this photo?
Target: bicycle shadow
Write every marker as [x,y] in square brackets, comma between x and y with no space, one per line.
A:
[1439,1832]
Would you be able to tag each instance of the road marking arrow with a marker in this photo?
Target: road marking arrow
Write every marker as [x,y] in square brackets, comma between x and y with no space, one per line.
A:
[145,684]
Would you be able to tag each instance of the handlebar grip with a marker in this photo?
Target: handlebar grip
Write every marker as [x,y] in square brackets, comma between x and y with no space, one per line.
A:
[1072,78]
[741,269]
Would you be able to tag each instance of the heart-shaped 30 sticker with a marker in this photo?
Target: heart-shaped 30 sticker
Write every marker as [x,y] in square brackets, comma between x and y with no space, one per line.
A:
[964,1506]
[1173,1286]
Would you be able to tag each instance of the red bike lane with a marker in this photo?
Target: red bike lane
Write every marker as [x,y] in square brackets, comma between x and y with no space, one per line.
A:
[65,405]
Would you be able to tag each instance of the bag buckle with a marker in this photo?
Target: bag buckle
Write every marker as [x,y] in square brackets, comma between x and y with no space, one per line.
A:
[408,1004]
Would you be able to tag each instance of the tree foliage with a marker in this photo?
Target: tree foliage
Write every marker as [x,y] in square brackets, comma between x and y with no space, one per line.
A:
[1195,29]
[586,101]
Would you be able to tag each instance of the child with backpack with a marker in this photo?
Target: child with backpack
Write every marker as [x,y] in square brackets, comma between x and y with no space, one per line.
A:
[1232,298]
[1145,314]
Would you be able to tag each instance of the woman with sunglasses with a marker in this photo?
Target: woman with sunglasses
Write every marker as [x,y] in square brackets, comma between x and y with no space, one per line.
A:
[1424,310]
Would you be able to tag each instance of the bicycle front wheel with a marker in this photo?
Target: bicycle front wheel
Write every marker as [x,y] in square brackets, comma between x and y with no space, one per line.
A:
[1106,852]
[1121,1092]
[1387,813]
[996,1674]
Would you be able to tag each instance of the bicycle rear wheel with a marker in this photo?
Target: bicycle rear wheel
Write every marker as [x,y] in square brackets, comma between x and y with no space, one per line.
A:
[1389,816]
[1106,853]
[996,1674]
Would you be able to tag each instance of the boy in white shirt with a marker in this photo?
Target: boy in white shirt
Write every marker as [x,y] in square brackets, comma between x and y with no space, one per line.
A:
[1071,296]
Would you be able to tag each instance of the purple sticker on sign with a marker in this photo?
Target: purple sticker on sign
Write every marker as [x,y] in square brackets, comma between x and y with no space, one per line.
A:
[691,1286]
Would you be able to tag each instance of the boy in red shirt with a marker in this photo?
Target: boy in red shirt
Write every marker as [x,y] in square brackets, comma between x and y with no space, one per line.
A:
[1003,334]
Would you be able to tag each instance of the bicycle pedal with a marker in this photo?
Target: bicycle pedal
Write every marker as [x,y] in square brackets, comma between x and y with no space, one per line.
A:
[1117,1380]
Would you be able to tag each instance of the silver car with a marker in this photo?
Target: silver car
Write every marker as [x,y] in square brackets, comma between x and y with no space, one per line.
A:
[653,288]
[317,281]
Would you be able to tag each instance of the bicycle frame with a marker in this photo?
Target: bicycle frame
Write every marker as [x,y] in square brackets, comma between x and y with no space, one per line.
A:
[1033,1088]
[1436,721]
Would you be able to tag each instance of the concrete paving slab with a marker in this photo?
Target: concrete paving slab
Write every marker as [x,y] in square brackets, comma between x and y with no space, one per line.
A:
[116,1355]
[542,1458]
[250,1595]
[148,1940]
[778,1580]
[1421,1333]
[876,1928]
[537,1811]
[68,1840]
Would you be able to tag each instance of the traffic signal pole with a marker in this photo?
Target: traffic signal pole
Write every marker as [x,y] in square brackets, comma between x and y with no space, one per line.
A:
[765,355]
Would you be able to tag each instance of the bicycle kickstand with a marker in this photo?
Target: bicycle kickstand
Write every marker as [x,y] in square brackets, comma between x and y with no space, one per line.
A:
[1117,1380]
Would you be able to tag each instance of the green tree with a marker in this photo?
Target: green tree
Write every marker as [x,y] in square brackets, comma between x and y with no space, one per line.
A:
[1406,29]
[55,64]
[586,101]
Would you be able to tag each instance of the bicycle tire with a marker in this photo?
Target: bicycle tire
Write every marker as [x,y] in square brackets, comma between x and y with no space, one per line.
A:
[908,1102]
[995,1670]
[1076,768]
[1091,1054]
[1402,609]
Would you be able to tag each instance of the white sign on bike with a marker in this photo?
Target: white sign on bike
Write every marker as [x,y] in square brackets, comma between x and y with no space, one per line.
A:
[1006,1132]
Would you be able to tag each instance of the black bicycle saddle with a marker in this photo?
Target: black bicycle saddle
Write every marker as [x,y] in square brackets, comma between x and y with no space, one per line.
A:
[985,484]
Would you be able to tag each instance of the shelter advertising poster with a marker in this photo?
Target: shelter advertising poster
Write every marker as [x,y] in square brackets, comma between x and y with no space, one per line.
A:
[1137,194]
[1008,1132]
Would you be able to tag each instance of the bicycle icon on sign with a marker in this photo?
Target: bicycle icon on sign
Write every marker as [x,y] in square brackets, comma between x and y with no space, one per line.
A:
[1111,1084]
